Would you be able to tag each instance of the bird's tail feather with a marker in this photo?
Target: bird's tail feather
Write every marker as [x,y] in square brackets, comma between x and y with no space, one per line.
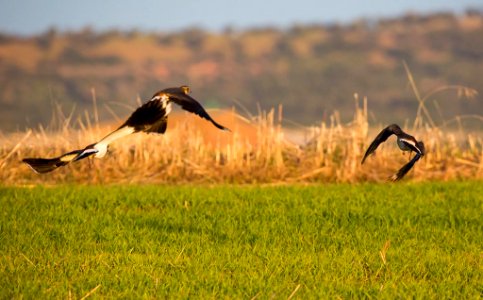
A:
[44,165]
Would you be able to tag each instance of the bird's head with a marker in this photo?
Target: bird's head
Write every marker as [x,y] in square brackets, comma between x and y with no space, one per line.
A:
[395,129]
[421,147]
[182,90]
[185,89]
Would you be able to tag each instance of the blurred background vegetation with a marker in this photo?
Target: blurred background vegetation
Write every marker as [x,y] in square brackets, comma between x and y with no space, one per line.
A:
[311,70]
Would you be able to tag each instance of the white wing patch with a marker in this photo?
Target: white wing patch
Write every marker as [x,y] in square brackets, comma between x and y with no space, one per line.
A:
[101,146]
[165,103]
[68,158]
[163,98]
[121,132]
[167,108]
[410,142]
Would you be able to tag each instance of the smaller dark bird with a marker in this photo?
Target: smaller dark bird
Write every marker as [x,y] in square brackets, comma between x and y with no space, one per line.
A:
[405,142]
[151,117]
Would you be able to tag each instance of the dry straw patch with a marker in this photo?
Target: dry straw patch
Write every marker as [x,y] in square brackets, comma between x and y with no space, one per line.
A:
[256,151]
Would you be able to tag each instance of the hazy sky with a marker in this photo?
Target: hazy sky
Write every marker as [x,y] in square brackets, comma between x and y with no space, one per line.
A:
[34,16]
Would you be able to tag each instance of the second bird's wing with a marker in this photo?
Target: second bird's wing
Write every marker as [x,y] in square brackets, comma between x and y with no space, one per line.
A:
[405,169]
[380,138]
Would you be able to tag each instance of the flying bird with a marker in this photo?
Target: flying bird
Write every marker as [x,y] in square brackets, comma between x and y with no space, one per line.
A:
[151,117]
[405,142]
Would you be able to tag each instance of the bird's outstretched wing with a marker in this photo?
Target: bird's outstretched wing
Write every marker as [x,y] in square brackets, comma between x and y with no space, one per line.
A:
[189,104]
[150,117]
[405,169]
[380,138]
[146,115]
[45,165]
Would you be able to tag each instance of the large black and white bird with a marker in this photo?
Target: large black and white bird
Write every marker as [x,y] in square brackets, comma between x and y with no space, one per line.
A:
[405,142]
[151,117]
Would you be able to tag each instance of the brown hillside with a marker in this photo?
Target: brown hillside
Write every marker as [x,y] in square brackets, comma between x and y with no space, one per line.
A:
[311,70]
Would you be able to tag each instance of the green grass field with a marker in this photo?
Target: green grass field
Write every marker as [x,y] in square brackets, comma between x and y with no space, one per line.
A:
[421,240]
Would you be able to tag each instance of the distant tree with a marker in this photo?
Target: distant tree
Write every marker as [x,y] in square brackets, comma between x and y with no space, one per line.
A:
[193,38]
[45,40]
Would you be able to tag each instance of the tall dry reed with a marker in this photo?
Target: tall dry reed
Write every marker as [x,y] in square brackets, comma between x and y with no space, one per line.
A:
[257,151]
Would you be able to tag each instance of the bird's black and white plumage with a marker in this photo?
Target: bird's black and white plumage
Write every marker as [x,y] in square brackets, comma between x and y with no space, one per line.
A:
[405,142]
[151,117]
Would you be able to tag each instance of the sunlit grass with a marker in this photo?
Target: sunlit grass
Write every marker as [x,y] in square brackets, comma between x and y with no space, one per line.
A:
[322,241]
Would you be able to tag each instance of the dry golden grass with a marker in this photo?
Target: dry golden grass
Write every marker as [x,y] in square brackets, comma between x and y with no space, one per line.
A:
[256,151]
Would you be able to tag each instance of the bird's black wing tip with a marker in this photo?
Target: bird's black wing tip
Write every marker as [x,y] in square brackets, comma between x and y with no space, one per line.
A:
[219,126]
[401,173]
[32,161]
[42,165]
[405,169]
[370,151]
